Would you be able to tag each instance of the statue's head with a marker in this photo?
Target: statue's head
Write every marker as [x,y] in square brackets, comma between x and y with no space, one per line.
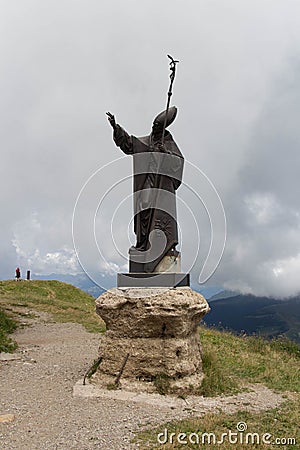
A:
[158,122]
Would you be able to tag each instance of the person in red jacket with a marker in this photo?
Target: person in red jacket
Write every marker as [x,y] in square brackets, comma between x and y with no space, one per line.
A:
[18,274]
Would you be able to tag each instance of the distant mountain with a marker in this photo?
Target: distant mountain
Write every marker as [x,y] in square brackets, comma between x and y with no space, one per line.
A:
[208,291]
[80,280]
[263,316]
[223,295]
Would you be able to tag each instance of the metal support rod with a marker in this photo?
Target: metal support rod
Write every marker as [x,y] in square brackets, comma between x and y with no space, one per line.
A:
[92,369]
[117,380]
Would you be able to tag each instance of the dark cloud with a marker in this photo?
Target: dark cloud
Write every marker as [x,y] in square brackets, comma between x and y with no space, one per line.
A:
[65,63]
[264,211]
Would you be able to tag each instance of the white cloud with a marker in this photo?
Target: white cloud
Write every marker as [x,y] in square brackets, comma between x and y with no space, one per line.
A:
[263,207]
[237,89]
[286,271]
[32,241]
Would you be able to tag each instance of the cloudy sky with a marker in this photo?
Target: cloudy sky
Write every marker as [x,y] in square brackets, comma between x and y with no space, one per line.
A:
[64,63]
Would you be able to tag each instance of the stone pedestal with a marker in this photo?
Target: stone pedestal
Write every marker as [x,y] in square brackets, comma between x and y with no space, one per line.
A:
[154,333]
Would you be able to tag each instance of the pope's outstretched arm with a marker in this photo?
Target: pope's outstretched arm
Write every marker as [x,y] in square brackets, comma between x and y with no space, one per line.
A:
[121,137]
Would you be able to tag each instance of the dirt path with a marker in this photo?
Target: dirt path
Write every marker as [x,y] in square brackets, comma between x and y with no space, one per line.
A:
[37,390]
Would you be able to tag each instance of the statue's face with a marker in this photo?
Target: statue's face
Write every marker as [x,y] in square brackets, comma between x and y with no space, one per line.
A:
[157,127]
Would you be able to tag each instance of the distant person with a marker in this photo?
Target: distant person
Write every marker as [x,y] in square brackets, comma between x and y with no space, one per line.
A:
[18,274]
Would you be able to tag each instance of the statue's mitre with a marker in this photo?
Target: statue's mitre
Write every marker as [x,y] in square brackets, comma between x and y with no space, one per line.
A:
[160,118]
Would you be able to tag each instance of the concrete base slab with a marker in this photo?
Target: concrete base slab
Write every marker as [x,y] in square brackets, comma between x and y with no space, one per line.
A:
[146,280]
[92,391]
[257,398]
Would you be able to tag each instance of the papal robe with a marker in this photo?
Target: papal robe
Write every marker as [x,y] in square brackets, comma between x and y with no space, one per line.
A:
[157,176]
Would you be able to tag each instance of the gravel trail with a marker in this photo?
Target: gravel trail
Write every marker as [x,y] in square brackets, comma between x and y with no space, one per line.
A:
[36,391]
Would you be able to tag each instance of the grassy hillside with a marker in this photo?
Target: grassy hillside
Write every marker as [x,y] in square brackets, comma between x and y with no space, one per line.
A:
[7,326]
[229,363]
[64,302]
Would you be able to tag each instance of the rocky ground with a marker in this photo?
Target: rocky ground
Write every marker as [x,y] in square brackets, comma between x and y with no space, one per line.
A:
[39,411]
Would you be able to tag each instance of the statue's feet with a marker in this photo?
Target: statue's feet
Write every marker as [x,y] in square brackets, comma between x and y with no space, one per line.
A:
[134,249]
[141,246]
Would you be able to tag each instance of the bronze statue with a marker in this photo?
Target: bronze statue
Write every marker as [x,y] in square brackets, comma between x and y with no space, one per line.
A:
[158,166]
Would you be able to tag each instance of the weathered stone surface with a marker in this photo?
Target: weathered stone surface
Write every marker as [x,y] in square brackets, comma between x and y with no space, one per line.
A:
[157,328]
[138,312]
[149,357]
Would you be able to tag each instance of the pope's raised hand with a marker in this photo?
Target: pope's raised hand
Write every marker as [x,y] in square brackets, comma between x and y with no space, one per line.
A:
[111,119]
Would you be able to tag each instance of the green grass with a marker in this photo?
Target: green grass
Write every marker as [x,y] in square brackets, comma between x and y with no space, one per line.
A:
[231,362]
[64,302]
[239,360]
[7,326]
[162,383]
[216,380]
[280,422]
